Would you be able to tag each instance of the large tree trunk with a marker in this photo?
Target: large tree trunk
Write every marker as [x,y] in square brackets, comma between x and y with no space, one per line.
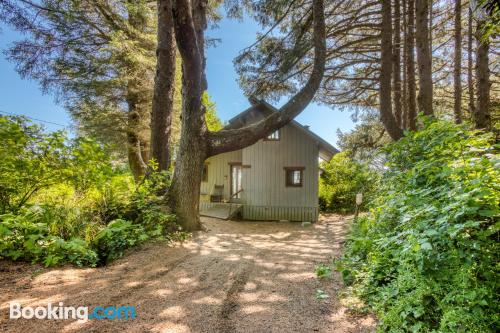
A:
[163,98]
[470,63]
[424,57]
[404,97]
[386,115]
[184,193]
[138,99]
[398,113]
[457,79]
[482,117]
[196,142]
[135,146]
[410,66]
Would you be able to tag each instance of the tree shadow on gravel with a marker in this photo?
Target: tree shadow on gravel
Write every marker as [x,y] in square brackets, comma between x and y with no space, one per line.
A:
[237,277]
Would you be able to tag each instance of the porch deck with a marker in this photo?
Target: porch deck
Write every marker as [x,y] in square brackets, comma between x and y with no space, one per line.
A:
[221,210]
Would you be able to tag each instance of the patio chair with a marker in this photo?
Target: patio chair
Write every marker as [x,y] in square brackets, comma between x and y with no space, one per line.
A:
[217,193]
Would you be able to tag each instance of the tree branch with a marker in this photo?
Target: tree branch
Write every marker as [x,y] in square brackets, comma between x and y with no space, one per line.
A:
[230,140]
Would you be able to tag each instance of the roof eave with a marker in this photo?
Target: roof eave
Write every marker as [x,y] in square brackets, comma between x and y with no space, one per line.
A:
[323,144]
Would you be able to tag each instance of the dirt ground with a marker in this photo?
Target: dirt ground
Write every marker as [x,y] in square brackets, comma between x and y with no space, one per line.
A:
[236,277]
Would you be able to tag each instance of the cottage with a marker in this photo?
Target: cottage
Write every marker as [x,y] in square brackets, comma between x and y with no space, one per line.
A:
[273,179]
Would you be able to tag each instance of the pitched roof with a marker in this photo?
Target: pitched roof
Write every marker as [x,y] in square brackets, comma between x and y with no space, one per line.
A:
[261,108]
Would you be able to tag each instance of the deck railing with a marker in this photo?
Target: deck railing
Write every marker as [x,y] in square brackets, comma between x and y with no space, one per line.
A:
[230,203]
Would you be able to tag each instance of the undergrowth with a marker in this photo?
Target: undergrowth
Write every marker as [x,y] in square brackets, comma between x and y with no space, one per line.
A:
[64,201]
[426,258]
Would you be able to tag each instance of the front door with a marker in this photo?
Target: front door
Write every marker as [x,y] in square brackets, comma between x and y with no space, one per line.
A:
[235,181]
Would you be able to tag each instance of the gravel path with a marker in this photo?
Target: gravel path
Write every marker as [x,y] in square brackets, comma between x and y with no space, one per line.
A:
[236,277]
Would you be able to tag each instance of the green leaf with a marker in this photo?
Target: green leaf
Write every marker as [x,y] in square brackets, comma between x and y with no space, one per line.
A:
[426,246]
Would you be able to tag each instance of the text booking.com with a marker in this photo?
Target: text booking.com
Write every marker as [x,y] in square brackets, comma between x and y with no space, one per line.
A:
[60,312]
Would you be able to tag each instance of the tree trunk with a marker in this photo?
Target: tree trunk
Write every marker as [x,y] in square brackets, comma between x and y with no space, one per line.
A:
[482,117]
[410,66]
[134,144]
[386,115]
[163,98]
[404,97]
[196,142]
[424,57]
[457,79]
[234,139]
[184,193]
[138,99]
[398,113]
[470,64]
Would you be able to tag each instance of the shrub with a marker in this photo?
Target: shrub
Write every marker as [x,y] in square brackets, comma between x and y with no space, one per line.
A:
[118,235]
[323,271]
[31,160]
[21,237]
[341,179]
[34,161]
[426,259]
[64,200]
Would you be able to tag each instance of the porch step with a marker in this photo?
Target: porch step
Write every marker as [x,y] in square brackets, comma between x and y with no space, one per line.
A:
[222,211]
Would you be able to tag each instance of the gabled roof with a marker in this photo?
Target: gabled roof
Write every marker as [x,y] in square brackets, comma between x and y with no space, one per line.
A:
[261,109]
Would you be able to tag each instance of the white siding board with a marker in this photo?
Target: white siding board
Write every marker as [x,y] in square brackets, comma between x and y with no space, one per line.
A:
[265,196]
[218,172]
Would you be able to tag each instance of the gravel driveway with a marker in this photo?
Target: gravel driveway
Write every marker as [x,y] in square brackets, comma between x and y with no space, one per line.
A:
[236,277]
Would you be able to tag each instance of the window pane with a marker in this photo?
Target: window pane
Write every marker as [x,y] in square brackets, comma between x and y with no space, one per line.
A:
[274,136]
[296,177]
[236,175]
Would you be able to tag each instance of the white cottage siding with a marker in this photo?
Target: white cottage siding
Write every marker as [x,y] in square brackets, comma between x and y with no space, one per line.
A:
[265,195]
[218,173]
[274,213]
[265,192]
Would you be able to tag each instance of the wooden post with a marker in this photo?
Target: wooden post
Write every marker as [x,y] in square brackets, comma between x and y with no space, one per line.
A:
[359,201]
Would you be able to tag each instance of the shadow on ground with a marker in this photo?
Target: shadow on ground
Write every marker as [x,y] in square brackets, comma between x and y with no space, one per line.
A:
[237,277]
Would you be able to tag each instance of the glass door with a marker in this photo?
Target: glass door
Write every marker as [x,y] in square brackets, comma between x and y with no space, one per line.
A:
[235,181]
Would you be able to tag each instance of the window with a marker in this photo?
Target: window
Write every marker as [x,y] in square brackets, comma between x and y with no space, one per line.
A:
[236,181]
[274,136]
[294,176]
[204,175]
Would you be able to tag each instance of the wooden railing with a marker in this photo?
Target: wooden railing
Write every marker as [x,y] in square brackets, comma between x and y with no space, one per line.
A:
[230,203]
[235,194]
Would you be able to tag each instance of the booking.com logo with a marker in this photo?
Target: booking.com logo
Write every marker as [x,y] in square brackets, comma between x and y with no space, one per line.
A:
[60,312]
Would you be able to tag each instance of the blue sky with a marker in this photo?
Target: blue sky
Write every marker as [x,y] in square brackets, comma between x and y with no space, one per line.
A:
[20,96]
[24,97]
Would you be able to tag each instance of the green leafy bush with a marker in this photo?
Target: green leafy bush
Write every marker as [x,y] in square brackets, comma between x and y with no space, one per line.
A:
[22,237]
[323,271]
[341,179]
[64,201]
[30,161]
[53,235]
[426,259]
[34,161]
[118,235]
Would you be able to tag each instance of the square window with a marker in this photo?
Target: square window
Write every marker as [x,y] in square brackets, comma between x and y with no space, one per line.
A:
[294,176]
[274,136]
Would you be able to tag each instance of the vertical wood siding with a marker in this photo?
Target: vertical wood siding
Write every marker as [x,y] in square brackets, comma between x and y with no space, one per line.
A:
[275,213]
[218,173]
[264,182]
[265,195]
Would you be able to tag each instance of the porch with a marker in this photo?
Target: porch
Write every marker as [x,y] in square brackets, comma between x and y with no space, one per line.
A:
[220,210]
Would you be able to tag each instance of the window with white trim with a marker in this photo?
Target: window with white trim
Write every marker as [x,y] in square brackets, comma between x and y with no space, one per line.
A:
[274,136]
